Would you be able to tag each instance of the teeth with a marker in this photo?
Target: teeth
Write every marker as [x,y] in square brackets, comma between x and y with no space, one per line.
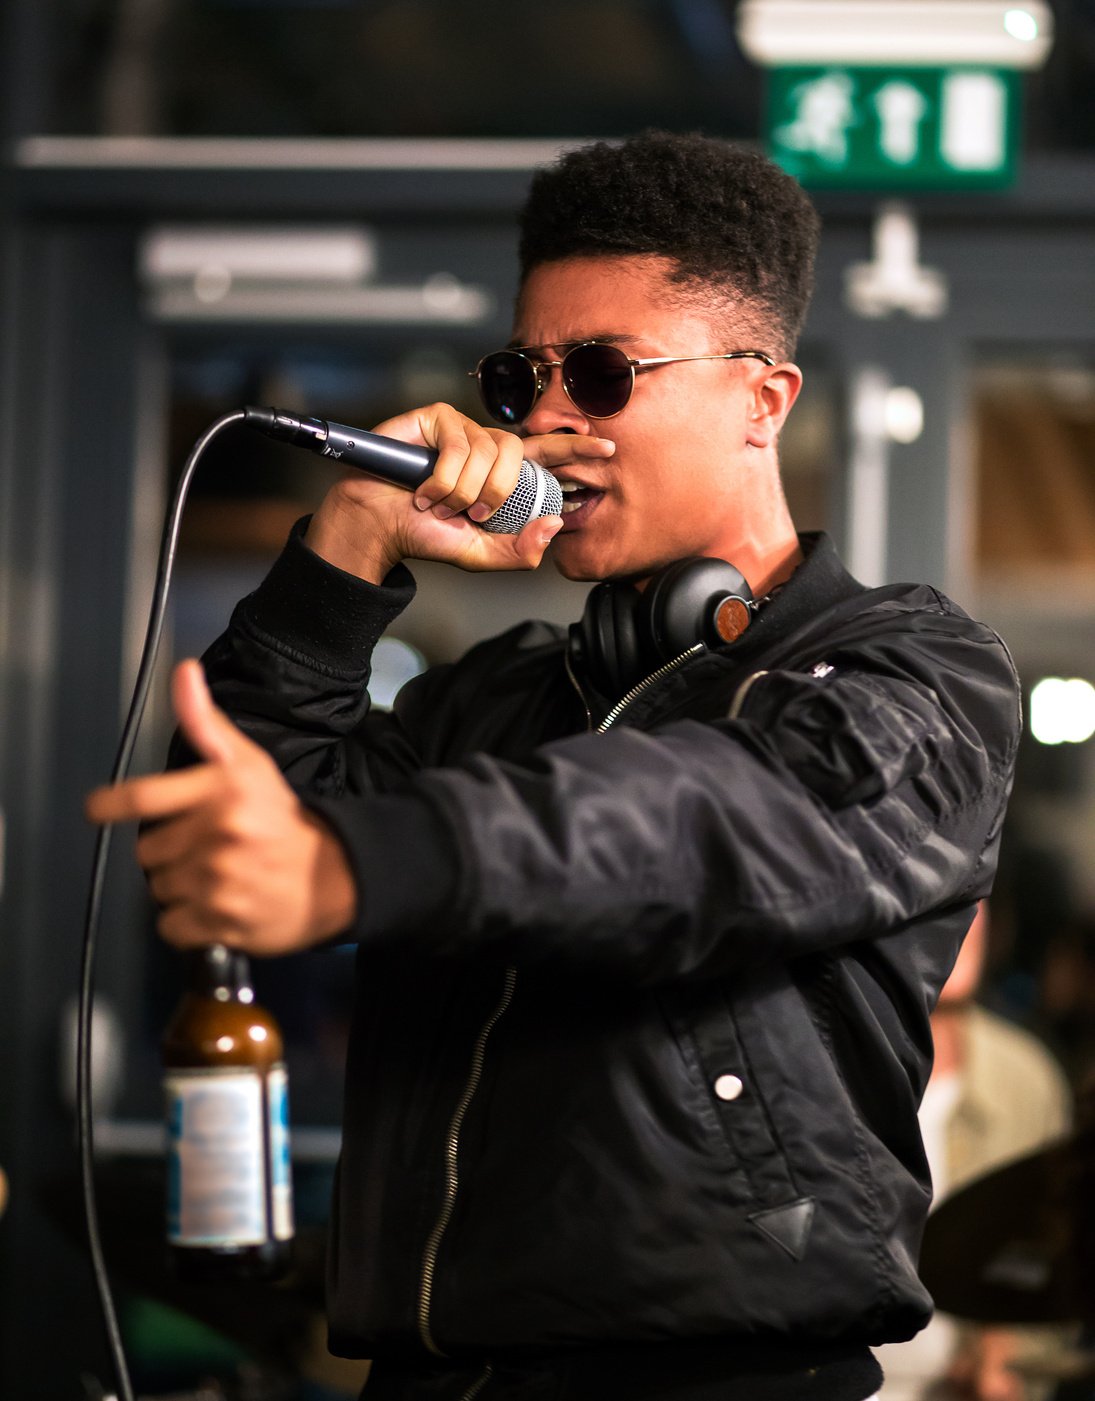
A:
[568,489]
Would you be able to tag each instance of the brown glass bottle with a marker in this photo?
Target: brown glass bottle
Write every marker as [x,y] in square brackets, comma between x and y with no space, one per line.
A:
[229,1188]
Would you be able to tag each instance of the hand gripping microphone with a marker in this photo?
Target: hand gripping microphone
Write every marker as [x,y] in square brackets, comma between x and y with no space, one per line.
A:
[537,493]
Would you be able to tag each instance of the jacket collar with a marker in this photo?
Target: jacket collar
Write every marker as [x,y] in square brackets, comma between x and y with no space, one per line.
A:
[819,584]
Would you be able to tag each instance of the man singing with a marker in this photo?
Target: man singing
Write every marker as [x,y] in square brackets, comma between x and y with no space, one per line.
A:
[650,915]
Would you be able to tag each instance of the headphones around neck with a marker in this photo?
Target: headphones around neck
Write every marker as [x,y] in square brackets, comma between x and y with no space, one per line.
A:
[625,634]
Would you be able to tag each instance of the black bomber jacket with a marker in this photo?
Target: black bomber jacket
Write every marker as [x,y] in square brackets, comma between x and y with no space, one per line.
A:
[641,1020]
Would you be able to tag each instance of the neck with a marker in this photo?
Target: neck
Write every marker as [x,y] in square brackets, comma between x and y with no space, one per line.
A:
[761,539]
[776,569]
[767,555]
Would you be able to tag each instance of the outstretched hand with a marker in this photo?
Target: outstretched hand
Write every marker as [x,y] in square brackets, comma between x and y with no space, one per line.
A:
[234,857]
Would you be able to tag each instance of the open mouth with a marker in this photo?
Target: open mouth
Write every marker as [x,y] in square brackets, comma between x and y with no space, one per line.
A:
[578,501]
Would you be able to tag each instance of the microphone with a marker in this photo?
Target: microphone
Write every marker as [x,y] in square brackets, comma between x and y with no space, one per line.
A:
[537,493]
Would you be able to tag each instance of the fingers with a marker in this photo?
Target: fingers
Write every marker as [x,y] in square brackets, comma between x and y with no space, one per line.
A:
[476,470]
[207,729]
[210,732]
[510,552]
[165,842]
[172,884]
[201,910]
[529,546]
[557,449]
[154,796]
[270,885]
[203,884]
[477,467]
[191,927]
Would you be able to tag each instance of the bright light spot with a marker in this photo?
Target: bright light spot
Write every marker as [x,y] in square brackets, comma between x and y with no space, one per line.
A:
[225,1043]
[1062,712]
[395,662]
[246,995]
[442,292]
[1021,24]
[904,414]
[257,1033]
[212,283]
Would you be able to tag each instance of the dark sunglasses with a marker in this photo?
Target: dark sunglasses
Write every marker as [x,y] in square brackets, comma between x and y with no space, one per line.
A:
[598,378]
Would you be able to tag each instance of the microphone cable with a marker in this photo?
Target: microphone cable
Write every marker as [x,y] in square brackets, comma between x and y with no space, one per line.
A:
[536,494]
[141,688]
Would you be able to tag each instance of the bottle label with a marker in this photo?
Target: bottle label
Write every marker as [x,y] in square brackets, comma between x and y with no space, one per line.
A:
[281,1179]
[216,1175]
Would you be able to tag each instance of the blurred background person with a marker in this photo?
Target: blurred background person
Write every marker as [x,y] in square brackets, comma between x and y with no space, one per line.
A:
[995,1094]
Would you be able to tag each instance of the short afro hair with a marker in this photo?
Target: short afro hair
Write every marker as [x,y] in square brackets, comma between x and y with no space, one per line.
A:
[729,220]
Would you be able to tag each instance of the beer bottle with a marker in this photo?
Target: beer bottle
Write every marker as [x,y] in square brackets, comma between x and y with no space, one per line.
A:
[229,1189]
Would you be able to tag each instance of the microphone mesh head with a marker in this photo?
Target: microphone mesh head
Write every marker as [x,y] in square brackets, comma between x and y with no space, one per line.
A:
[537,493]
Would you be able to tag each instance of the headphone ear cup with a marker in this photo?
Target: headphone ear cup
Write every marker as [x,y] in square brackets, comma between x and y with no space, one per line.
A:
[606,641]
[695,600]
[624,634]
[628,651]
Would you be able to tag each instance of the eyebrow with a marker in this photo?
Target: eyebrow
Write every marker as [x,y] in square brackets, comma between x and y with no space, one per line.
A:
[606,337]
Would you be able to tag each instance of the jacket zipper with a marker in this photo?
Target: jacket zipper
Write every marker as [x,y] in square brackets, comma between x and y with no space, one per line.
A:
[645,684]
[452,1178]
[479,1383]
[452,1144]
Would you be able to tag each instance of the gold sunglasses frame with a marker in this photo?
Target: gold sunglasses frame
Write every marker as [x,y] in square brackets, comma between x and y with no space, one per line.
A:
[542,379]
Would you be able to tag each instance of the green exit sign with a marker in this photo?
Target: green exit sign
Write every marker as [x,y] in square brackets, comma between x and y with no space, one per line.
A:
[895,128]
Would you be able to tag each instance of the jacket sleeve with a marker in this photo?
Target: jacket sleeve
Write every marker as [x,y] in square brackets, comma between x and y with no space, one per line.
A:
[293,668]
[831,809]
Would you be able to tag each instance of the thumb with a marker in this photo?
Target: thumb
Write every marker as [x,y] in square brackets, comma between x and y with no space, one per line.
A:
[204,725]
[534,538]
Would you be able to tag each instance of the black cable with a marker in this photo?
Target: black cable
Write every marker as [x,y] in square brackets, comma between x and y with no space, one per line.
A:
[142,685]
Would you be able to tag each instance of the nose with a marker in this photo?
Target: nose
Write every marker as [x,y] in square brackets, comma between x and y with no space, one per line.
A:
[553,410]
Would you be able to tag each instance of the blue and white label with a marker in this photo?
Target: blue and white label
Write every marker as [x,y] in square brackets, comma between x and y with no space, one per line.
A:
[216,1158]
[281,1180]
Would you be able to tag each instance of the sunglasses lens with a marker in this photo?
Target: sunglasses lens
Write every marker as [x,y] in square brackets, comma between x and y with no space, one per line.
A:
[507,385]
[598,379]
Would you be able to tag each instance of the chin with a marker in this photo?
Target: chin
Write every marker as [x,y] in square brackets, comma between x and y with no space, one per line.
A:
[585,559]
[577,575]
[588,570]
[574,563]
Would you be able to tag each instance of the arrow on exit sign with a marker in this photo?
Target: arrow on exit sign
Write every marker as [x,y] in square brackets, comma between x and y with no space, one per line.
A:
[886,128]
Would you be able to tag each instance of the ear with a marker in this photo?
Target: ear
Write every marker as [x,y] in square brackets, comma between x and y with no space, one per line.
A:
[773,397]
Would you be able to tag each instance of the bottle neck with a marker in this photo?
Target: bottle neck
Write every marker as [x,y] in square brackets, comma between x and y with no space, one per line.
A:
[221,973]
